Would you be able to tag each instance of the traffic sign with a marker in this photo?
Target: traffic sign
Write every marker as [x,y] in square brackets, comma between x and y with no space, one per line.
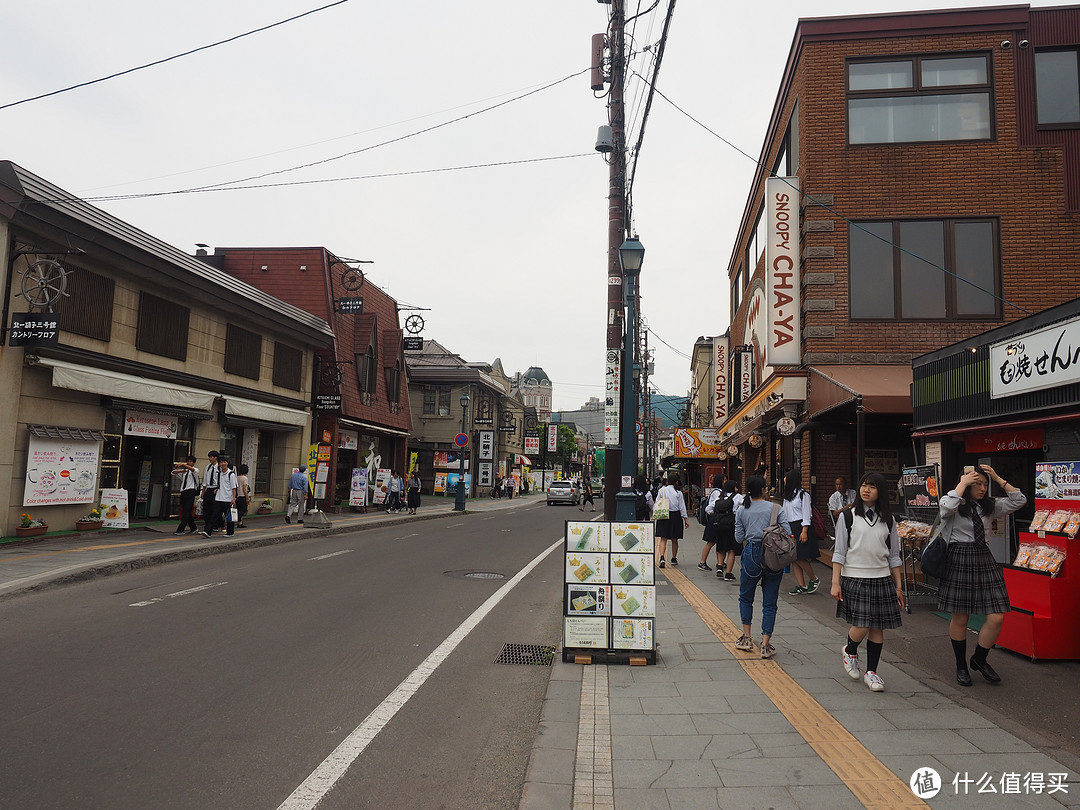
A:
[461,440]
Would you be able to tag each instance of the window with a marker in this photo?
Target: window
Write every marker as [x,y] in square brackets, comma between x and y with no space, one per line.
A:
[288,366]
[787,161]
[736,292]
[920,99]
[757,243]
[243,352]
[1057,88]
[366,372]
[437,400]
[87,308]
[162,328]
[393,383]
[895,269]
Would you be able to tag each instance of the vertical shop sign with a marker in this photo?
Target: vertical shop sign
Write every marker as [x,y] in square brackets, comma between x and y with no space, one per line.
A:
[612,397]
[782,299]
[487,446]
[358,487]
[720,380]
[553,438]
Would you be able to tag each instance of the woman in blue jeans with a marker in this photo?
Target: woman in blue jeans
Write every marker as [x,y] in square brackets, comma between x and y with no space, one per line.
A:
[750,524]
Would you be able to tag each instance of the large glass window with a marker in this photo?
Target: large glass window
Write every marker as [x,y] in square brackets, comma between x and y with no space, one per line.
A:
[918,99]
[1057,88]
[924,270]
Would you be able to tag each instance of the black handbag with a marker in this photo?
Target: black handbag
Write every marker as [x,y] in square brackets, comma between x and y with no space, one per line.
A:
[932,556]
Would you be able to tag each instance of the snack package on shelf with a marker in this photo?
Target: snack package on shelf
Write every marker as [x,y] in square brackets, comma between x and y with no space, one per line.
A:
[1057,559]
[1072,525]
[1056,522]
[913,530]
[1040,558]
[1023,556]
[1039,520]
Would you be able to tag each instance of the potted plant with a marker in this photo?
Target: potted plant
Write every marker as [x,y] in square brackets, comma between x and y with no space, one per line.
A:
[30,527]
[89,522]
[264,507]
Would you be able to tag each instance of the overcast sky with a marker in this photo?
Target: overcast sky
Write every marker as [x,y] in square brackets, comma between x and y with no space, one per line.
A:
[509,260]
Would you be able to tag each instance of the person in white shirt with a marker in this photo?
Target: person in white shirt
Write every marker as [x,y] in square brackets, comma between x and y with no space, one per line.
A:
[671,528]
[840,500]
[224,499]
[866,582]
[799,514]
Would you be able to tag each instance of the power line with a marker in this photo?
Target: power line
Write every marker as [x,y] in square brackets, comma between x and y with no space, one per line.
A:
[170,58]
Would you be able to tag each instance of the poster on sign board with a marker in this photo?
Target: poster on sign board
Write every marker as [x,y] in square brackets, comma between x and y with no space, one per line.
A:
[382,486]
[358,487]
[1057,480]
[114,508]
[60,471]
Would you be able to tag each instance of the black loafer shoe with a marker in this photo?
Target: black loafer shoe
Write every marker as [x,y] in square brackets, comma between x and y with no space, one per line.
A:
[986,671]
[963,677]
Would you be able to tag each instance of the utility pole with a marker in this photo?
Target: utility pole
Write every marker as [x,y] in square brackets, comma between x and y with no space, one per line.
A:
[616,233]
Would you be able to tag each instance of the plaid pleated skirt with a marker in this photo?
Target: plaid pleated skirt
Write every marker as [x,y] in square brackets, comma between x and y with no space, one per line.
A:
[973,582]
[869,603]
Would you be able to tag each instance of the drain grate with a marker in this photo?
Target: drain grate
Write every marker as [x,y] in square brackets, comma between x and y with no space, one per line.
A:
[485,575]
[532,654]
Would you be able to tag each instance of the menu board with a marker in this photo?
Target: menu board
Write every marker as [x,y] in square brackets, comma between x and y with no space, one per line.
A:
[610,587]
[920,486]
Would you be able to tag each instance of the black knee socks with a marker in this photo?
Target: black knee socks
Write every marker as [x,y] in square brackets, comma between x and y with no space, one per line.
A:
[873,655]
[960,651]
[852,647]
[979,656]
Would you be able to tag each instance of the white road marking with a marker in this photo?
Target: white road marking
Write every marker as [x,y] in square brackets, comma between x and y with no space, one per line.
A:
[331,554]
[188,592]
[324,777]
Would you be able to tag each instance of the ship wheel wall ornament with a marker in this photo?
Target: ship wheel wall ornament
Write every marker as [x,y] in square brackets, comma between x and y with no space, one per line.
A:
[352,278]
[331,378]
[414,324]
[44,282]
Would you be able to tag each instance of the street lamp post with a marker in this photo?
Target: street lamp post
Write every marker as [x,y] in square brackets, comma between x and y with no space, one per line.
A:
[631,254]
[459,500]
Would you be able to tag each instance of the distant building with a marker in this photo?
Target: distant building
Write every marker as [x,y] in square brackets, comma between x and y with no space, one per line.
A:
[534,387]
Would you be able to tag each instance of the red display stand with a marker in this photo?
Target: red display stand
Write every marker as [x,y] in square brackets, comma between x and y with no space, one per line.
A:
[1042,622]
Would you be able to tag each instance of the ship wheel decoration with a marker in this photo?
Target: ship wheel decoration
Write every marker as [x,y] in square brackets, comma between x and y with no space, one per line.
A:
[530,422]
[44,282]
[331,378]
[414,324]
[683,414]
[483,408]
[352,278]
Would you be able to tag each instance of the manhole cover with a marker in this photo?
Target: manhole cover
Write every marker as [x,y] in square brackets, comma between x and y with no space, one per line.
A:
[531,654]
[485,575]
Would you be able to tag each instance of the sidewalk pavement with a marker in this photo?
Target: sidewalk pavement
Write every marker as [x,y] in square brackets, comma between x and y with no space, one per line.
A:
[709,726]
[70,557]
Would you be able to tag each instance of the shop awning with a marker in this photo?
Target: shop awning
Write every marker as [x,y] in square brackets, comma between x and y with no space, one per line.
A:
[125,386]
[884,389]
[264,413]
[524,461]
[76,434]
[373,428]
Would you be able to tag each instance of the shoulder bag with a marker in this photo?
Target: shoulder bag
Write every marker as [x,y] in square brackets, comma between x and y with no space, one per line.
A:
[661,509]
[932,555]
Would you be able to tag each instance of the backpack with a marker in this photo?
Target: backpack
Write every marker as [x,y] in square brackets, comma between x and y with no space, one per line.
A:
[641,506]
[778,549]
[703,517]
[817,522]
[849,518]
[724,516]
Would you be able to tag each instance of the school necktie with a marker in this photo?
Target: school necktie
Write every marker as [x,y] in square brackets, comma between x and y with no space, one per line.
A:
[977,526]
[869,515]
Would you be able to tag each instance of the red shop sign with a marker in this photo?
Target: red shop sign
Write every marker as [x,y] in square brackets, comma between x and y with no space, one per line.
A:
[1004,442]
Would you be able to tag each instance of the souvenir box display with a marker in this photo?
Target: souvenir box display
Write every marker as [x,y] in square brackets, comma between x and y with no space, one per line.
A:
[609,599]
[1044,578]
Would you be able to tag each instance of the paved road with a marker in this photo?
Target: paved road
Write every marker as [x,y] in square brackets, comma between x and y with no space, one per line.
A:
[225,681]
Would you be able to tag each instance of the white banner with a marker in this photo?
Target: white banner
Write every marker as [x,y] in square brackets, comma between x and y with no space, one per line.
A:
[487,446]
[114,511]
[782,344]
[358,487]
[532,444]
[1048,358]
[60,471]
[552,438]
[485,474]
[612,397]
[720,380]
[156,425]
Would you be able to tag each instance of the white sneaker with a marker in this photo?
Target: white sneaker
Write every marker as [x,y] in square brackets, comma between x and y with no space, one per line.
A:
[875,683]
[851,665]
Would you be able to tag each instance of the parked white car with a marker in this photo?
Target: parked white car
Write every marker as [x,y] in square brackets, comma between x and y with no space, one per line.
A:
[563,492]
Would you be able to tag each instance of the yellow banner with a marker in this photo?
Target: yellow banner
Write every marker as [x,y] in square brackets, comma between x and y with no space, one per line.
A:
[697,443]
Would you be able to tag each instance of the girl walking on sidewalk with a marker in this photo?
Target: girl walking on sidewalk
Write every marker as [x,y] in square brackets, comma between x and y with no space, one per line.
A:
[866,580]
[671,528]
[800,514]
[973,582]
[750,524]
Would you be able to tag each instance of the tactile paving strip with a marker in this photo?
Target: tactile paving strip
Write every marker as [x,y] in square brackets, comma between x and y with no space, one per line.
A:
[874,785]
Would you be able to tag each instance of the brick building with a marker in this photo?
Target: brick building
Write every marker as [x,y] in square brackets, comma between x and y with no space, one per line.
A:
[361,393]
[933,165]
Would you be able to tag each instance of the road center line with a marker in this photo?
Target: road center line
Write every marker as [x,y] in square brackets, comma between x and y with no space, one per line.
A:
[324,777]
[331,554]
[188,592]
